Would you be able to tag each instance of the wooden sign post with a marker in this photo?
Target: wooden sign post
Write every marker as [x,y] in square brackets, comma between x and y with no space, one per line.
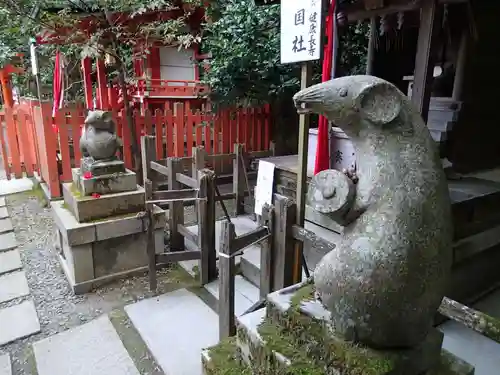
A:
[302,41]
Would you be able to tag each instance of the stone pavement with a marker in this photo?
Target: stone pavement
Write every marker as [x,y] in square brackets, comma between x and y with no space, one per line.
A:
[18,318]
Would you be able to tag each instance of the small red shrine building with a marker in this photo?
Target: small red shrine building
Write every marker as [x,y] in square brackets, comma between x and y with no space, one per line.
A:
[163,73]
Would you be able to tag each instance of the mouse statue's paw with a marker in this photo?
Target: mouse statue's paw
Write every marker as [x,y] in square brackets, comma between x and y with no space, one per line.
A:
[351,173]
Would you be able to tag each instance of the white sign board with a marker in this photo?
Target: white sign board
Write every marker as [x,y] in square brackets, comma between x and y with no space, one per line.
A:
[264,187]
[301,22]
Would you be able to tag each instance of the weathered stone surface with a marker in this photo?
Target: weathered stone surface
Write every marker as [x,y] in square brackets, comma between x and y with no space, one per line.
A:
[386,278]
[4,213]
[18,321]
[2,202]
[105,184]
[10,261]
[92,264]
[92,349]
[73,232]
[176,327]
[99,139]
[77,233]
[6,225]
[8,241]
[86,209]
[302,318]
[13,285]
[5,365]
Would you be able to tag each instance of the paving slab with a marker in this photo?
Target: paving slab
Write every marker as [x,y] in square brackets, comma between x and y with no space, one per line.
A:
[6,225]
[245,294]
[90,349]
[5,365]
[2,202]
[18,321]
[8,241]
[10,261]
[175,326]
[15,186]
[4,213]
[13,285]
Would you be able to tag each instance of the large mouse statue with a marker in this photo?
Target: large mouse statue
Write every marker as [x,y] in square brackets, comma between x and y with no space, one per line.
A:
[385,280]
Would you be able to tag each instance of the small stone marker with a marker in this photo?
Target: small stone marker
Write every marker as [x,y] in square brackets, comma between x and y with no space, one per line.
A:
[5,366]
[13,285]
[10,261]
[4,213]
[18,321]
[7,241]
[176,327]
[91,349]
[6,225]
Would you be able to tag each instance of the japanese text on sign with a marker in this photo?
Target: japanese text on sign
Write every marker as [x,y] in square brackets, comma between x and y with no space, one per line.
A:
[300,30]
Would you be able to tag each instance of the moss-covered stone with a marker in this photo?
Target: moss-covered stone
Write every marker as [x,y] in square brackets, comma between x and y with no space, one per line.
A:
[225,359]
[305,293]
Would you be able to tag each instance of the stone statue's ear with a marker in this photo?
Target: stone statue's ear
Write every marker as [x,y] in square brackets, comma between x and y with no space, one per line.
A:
[380,103]
[106,116]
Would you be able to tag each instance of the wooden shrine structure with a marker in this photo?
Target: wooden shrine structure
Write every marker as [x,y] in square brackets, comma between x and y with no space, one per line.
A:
[163,74]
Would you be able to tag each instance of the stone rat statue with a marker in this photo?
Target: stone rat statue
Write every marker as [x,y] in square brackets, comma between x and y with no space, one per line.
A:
[99,139]
[386,278]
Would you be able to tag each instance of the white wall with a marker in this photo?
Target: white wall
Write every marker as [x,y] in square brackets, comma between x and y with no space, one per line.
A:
[177,65]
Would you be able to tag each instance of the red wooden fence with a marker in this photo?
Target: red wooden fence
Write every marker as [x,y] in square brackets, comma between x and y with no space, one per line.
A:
[34,142]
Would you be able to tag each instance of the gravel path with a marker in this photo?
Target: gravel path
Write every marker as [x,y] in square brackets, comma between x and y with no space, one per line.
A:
[58,309]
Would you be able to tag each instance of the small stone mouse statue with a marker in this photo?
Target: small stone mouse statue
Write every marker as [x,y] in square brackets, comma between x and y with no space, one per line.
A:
[99,139]
[386,278]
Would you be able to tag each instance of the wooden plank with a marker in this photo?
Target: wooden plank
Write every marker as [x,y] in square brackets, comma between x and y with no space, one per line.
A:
[238,181]
[186,180]
[430,24]
[24,142]
[206,226]
[283,243]
[150,247]
[227,327]
[3,150]
[304,122]
[177,256]
[159,168]
[225,197]
[180,121]
[304,235]
[250,238]
[188,235]
[217,157]
[175,194]
[176,214]
[266,253]
[148,150]
[480,322]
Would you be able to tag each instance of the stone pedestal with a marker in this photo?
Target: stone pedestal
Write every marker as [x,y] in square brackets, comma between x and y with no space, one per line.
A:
[97,252]
[103,237]
[104,184]
[293,334]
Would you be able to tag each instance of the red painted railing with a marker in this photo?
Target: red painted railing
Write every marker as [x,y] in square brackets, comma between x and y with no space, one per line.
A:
[170,88]
[35,142]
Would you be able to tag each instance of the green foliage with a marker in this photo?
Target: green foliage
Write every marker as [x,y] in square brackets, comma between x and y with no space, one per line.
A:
[244,41]
[109,32]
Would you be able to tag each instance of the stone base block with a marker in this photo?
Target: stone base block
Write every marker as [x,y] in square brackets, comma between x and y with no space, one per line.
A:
[102,167]
[294,315]
[86,209]
[94,253]
[105,184]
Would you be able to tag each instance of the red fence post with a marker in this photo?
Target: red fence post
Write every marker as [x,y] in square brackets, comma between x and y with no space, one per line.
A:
[180,121]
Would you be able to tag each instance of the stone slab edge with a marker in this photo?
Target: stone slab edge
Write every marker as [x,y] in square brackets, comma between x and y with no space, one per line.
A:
[76,233]
[87,286]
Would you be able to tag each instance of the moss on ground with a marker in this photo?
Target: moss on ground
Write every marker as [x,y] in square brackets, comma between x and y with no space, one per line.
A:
[225,359]
[311,346]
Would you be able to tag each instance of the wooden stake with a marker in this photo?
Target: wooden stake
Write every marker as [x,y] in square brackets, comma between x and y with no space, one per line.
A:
[304,121]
